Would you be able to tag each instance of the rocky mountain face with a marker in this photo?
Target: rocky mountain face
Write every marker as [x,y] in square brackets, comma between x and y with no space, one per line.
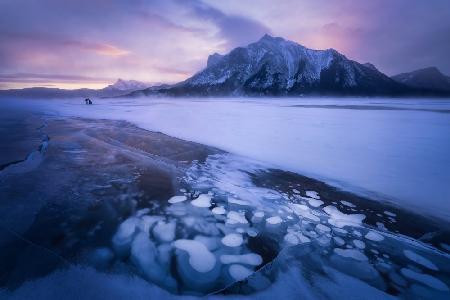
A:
[275,66]
[429,79]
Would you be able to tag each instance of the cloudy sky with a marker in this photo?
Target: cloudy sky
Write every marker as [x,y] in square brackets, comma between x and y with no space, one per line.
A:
[90,43]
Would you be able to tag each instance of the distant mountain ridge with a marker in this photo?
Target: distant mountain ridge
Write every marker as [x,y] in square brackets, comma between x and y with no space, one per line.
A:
[119,88]
[429,78]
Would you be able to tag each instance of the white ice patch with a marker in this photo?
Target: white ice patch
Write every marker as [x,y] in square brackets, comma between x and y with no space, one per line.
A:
[274,220]
[246,259]
[303,211]
[219,210]
[232,240]
[234,217]
[374,236]
[312,194]
[177,199]
[315,203]
[238,272]
[203,200]
[237,201]
[359,244]
[164,231]
[340,219]
[346,203]
[425,279]
[322,228]
[200,258]
[351,253]
[418,259]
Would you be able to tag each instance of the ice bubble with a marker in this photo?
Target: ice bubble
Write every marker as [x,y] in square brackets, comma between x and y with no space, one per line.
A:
[237,201]
[425,279]
[257,216]
[124,236]
[374,236]
[322,228]
[164,232]
[200,258]
[143,256]
[304,211]
[246,259]
[204,200]
[346,203]
[315,203]
[274,220]
[390,214]
[239,272]
[234,217]
[420,260]
[177,199]
[232,240]
[197,267]
[312,194]
[340,219]
[359,244]
[339,241]
[210,242]
[351,253]
[295,238]
[219,210]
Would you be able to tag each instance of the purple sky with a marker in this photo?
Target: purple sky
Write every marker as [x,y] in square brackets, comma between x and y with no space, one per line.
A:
[90,43]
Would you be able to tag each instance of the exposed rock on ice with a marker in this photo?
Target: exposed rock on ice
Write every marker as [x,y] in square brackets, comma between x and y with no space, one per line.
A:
[232,240]
[203,200]
[418,259]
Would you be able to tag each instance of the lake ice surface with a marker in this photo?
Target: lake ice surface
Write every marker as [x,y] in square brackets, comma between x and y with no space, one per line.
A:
[389,149]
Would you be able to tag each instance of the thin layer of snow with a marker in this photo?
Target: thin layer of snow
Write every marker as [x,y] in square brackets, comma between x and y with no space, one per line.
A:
[219,210]
[200,258]
[411,146]
[234,217]
[312,194]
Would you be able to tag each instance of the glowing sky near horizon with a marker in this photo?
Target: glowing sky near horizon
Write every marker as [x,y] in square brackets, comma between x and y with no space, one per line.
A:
[83,43]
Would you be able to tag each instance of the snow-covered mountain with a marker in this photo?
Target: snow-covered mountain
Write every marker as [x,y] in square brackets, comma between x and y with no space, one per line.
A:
[128,85]
[429,78]
[275,66]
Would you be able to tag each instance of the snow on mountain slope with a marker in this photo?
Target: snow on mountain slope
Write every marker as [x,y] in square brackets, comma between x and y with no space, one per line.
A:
[128,85]
[275,66]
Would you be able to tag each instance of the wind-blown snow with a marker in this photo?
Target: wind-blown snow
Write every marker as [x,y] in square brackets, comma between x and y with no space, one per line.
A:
[397,155]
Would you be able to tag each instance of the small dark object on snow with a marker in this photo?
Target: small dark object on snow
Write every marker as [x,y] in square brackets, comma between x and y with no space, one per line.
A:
[88,101]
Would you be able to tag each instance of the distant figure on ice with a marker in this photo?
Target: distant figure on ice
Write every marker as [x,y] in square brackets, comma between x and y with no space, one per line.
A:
[88,101]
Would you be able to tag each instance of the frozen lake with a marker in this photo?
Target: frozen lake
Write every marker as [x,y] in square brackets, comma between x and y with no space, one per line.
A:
[390,149]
